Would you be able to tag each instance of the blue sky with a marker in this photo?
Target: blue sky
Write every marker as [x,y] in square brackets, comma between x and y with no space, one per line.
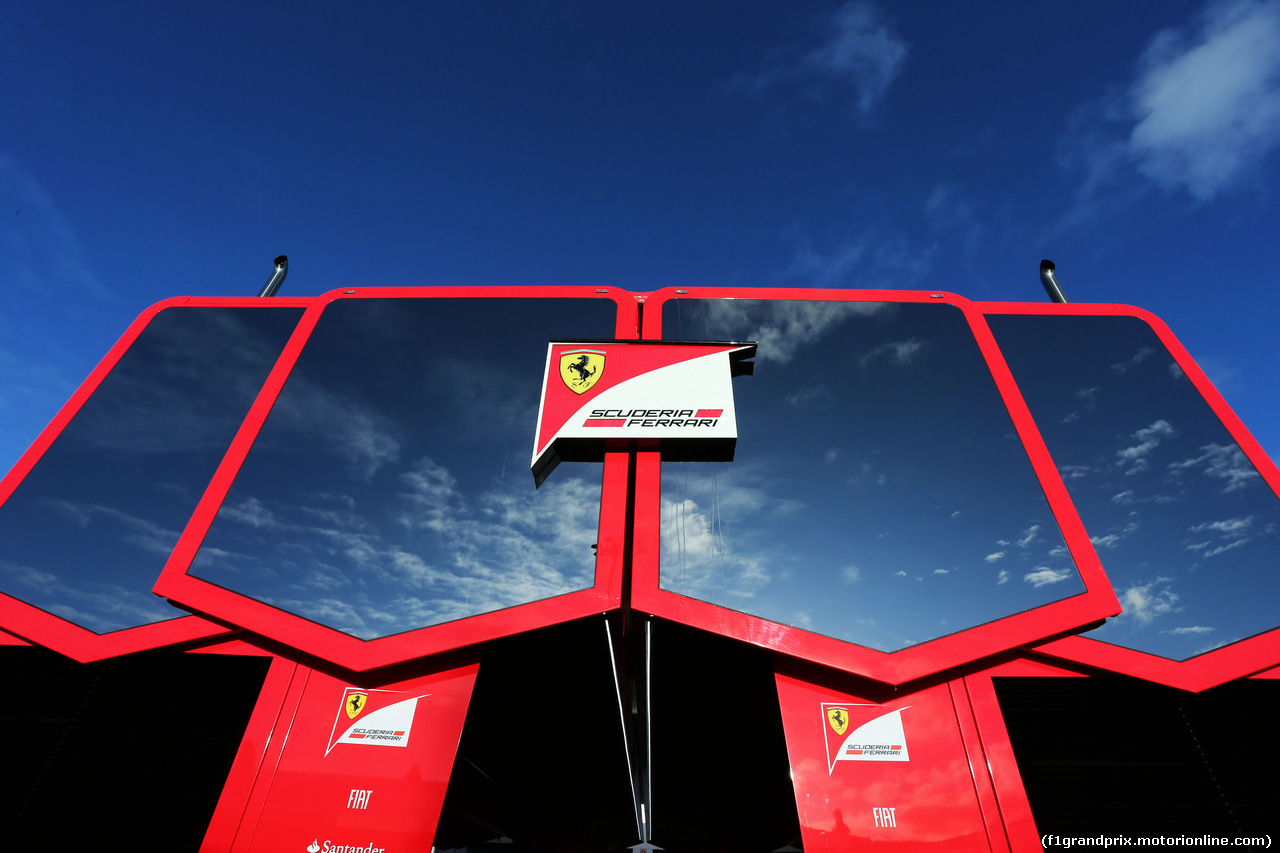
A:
[154,150]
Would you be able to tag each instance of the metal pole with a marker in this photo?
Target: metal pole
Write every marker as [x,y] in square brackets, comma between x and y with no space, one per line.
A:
[277,277]
[1050,283]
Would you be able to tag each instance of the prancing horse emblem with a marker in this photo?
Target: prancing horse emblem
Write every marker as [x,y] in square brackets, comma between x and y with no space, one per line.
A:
[355,704]
[839,719]
[581,368]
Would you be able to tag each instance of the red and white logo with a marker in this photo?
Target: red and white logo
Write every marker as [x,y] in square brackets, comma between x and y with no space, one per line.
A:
[875,736]
[381,718]
[672,391]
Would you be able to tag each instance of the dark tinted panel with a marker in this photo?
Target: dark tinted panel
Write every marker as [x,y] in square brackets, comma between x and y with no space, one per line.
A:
[87,532]
[879,493]
[390,488]
[133,751]
[1116,756]
[1188,531]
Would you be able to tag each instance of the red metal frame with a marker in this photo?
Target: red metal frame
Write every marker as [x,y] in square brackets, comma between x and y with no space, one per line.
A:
[1211,668]
[7,639]
[245,793]
[258,737]
[979,769]
[1242,658]
[343,649]
[1098,600]
[54,632]
[997,749]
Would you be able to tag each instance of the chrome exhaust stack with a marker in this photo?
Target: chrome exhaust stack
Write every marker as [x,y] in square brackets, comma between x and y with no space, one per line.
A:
[277,277]
[1050,283]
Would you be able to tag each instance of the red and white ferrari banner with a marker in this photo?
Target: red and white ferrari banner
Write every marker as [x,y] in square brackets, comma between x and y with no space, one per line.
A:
[679,393]
[888,771]
[880,738]
[335,786]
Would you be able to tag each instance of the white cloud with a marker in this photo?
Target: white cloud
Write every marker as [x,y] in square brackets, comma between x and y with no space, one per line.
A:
[249,511]
[1088,398]
[1002,577]
[783,327]
[859,52]
[1207,98]
[850,574]
[139,532]
[1145,602]
[1134,360]
[366,439]
[1108,541]
[1149,439]
[500,549]
[95,605]
[809,395]
[1043,576]
[1225,535]
[895,352]
[876,256]
[698,562]
[991,558]
[1229,527]
[1029,535]
[1222,462]
[428,496]
[1190,629]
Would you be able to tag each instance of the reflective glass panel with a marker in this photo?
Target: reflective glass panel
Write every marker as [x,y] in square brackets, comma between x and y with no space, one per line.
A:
[390,488]
[88,530]
[879,493]
[1188,531]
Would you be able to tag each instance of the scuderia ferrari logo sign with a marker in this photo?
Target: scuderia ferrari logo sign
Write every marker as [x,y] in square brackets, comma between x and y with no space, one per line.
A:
[382,718]
[676,393]
[877,734]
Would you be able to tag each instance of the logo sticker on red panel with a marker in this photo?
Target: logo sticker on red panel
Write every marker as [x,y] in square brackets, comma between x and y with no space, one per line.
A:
[382,718]
[878,735]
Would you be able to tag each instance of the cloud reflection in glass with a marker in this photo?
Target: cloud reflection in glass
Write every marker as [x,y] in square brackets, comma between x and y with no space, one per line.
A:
[389,488]
[1187,530]
[879,493]
[88,530]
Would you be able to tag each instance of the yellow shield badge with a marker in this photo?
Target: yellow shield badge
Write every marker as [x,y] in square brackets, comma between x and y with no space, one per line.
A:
[355,704]
[838,718]
[581,368]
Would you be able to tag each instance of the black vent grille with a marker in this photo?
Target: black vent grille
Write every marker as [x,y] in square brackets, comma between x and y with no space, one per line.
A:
[1117,756]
